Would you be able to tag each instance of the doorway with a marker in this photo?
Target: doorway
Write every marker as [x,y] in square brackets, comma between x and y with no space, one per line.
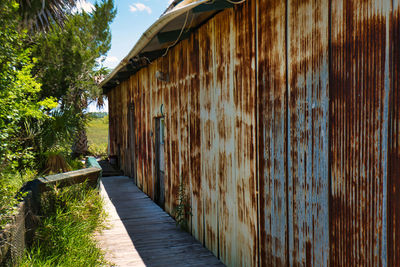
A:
[160,162]
[132,141]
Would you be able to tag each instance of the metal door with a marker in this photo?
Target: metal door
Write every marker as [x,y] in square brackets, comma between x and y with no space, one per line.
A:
[160,163]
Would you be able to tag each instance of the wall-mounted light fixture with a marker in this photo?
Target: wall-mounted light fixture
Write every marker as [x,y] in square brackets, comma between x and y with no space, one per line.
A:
[162,76]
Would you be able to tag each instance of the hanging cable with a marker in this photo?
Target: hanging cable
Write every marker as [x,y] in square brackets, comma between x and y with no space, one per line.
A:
[179,36]
[235,3]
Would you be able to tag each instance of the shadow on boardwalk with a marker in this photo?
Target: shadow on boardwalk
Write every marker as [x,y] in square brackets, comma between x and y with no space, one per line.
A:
[142,234]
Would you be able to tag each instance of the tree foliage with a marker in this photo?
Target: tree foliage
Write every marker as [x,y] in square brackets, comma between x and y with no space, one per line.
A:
[68,64]
[46,82]
[20,102]
[42,71]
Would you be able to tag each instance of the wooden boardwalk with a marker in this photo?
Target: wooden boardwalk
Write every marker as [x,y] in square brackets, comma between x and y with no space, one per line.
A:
[142,234]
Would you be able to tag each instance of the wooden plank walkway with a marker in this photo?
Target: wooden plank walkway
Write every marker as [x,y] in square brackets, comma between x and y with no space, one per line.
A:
[142,234]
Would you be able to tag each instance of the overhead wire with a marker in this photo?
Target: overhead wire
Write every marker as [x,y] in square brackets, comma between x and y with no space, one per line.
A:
[179,36]
[184,26]
[234,2]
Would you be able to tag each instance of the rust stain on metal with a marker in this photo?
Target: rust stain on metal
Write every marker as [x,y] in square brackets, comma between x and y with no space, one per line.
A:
[394,146]
[244,95]
[308,105]
[314,104]
[272,132]
[360,75]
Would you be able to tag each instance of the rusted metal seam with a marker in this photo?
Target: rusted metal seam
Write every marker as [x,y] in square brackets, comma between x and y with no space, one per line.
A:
[232,44]
[390,232]
[256,126]
[386,120]
[287,122]
[214,118]
[330,253]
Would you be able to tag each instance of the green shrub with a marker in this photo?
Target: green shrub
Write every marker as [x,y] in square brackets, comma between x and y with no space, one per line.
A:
[65,234]
[10,184]
[98,150]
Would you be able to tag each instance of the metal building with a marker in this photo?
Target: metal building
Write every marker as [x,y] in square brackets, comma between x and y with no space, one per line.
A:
[280,119]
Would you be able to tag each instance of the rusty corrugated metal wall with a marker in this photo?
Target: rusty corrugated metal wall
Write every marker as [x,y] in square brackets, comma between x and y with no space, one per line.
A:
[364,135]
[293,78]
[210,131]
[282,123]
[272,132]
[394,143]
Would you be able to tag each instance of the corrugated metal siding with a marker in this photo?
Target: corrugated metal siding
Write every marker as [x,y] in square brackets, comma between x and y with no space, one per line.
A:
[226,117]
[321,78]
[308,105]
[245,133]
[394,145]
[210,131]
[272,133]
[360,85]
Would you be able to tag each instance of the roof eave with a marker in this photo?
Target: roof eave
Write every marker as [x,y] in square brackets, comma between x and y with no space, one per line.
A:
[151,32]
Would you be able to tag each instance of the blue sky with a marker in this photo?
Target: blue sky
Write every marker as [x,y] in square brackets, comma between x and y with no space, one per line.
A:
[132,19]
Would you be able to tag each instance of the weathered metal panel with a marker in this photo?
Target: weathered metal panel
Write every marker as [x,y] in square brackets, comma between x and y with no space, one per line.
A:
[394,145]
[124,124]
[225,115]
[208,135]
[141,133]
[184,109]
[153,106]
[360,86]
[117,112]
[211,131]
[272,137]
[195,140]
[245,151]
[308,105]
[164,65]
[148,119]
[175,92]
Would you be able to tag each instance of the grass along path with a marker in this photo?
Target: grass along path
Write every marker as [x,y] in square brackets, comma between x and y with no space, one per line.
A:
[64,237]
[97,133]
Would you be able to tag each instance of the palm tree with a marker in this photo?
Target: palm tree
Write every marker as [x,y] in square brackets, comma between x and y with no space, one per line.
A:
[38,14]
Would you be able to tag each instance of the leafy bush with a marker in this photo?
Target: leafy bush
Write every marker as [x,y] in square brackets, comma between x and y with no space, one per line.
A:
[10,183]
[183,211]
[65,235]
[98,150]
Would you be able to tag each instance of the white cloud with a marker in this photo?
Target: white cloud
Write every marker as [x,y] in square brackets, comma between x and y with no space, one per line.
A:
[170,2]
[83,5]
[139,7]
[111,59]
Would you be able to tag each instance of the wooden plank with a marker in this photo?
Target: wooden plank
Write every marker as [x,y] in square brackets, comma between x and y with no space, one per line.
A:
[150,240]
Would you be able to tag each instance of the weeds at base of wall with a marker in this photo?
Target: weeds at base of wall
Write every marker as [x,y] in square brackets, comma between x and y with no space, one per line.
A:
[65,235]
[183,211]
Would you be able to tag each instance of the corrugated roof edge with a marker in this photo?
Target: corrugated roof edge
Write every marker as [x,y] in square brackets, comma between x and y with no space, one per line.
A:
[148,35]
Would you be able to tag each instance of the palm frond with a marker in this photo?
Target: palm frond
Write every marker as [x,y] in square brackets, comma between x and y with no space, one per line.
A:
[39,14]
